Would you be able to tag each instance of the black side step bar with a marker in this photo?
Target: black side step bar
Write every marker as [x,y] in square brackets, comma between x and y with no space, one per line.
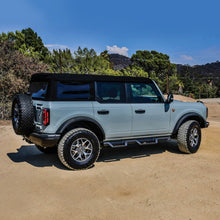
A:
[144,141]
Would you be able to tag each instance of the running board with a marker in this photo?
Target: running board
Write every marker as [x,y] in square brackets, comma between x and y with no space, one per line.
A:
[144,141]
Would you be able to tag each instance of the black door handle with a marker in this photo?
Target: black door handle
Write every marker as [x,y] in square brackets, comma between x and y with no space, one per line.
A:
[140,111]
[103,112]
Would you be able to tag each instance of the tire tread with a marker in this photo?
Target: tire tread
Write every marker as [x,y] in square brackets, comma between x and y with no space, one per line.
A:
[182,137]
[26,114]
[61,145]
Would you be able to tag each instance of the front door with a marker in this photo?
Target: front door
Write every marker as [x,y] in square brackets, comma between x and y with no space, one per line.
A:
[151,116]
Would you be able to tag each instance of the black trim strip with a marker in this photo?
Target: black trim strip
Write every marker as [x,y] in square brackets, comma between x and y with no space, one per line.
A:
[185,118]
[79,119]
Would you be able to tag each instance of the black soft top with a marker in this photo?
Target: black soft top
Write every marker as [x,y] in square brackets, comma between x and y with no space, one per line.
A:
[85,77]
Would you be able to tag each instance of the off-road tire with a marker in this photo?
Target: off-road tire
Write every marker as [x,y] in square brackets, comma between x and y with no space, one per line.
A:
[64,148]
[183,137]
[47,150]
[23,117]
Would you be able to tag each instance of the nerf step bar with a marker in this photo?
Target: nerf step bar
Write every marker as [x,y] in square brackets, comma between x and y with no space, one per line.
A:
[143,141]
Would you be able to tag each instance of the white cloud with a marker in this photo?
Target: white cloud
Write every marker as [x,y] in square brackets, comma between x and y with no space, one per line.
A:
[116,49]
[186,58]
[55,46]
[197,57]
[181,58]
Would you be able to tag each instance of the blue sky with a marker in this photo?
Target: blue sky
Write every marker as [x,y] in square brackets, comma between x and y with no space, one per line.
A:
[188,31]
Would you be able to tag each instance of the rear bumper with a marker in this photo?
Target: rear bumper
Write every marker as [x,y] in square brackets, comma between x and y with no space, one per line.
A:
[44,140]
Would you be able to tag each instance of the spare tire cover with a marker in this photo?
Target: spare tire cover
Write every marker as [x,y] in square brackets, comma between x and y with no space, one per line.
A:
[22,114]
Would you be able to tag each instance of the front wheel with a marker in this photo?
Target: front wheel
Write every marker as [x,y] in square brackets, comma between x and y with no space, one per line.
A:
[189,137]
[79,149]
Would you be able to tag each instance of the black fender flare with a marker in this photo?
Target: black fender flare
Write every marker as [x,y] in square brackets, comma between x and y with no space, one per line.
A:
[186,117]
[71,121]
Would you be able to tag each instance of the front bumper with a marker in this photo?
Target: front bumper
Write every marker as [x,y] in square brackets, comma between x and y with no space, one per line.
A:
[43,140]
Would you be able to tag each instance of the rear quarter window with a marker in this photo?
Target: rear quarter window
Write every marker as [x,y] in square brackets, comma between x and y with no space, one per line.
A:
[73,91]
[38,90]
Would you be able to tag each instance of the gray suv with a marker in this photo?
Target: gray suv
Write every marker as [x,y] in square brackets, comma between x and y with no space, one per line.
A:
[76,115]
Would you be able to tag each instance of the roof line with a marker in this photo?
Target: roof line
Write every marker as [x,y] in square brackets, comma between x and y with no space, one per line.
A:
[86,77]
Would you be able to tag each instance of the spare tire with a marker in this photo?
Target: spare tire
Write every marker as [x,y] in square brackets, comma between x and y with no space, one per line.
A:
[22,114]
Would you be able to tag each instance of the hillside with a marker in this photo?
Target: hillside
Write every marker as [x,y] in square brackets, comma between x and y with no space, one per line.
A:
[119,61]
[209,70]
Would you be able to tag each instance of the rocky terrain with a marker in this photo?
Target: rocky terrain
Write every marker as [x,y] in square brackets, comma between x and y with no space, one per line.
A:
[119,62]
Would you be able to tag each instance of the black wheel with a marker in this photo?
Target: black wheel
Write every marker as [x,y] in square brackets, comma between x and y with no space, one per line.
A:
[189,137]
[22,114]
[79,149]
[47,150]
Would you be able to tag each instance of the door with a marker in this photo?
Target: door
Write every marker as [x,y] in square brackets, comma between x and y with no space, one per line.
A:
[151,116]
[111,110]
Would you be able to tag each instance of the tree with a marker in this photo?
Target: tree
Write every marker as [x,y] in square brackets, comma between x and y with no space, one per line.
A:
[15,73]
[33,40]
[152,61]
[105,55]
[62,61]
[156,64]
[28,43]
[87,61]
[134,71]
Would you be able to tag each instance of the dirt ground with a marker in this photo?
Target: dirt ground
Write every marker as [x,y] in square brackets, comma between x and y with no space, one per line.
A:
[150,182]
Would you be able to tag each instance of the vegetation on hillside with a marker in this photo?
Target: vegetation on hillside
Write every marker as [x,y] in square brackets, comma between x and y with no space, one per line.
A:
[23,53]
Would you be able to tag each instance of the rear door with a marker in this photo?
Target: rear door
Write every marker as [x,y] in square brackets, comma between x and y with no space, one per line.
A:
[151,116]
[111,109]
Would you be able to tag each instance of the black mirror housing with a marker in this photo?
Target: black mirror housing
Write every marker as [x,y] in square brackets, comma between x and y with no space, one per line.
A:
[169,98]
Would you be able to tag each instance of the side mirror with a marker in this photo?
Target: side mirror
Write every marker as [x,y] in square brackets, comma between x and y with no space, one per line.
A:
[169,98]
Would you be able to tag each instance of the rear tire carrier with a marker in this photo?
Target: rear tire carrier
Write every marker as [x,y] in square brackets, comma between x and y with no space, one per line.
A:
[22,114]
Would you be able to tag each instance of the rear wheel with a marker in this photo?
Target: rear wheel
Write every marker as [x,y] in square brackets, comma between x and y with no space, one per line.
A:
[79,149]
[189,137]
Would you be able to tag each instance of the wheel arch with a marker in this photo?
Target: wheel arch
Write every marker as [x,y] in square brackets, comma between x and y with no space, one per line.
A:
[187,117]
[84,122]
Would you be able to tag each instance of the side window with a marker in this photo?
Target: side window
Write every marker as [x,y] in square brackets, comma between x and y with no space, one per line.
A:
[73,91]
[110,92]
[143,93]
[38,90]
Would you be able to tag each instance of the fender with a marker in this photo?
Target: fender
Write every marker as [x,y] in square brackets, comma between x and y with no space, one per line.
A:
[79,119]
[187,117]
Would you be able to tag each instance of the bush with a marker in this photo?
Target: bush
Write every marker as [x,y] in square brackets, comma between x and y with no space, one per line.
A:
[15,73]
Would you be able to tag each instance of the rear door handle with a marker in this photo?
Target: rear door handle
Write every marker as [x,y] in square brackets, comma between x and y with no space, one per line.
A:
[140,111]
[103,112]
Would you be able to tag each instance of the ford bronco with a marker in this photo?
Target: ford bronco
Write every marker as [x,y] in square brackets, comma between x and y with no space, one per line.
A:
[76,115]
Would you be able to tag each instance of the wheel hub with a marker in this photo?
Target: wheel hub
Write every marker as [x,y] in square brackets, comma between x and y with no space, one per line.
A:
[81,149]
[194,137]
[16,115]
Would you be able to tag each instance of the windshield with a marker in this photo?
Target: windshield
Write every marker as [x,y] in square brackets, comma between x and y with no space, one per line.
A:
[38,90]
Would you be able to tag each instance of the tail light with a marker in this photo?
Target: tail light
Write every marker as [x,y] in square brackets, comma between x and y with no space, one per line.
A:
[46,116]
